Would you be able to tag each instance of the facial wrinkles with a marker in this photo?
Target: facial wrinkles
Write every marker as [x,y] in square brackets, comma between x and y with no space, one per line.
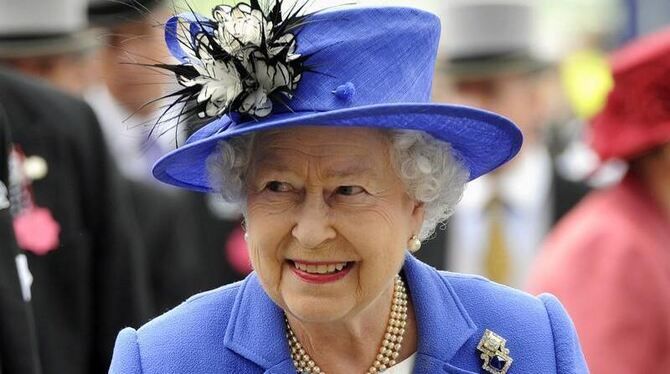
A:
[365,276]
[335,216]
[380,190]
[321,174]
[277,256]
[379,203]
[317,167]
[383,204]
[270,207]
[382,187]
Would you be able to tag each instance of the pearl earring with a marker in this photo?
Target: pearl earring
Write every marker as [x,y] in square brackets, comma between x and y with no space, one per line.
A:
[246,236]
[414,243]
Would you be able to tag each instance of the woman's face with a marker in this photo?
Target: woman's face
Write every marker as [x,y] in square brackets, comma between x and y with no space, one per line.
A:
[328,219]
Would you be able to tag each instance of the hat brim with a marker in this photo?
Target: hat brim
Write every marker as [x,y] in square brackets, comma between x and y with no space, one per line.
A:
[481,140]
[76,42]
[484,69]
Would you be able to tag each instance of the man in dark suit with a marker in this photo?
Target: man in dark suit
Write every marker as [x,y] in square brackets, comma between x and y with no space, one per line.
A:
[503,217]
[18,343]
[87,271]
[190,238]
[180,260]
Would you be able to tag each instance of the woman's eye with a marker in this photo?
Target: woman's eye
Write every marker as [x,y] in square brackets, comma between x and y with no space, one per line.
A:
[349,190]
[276,186]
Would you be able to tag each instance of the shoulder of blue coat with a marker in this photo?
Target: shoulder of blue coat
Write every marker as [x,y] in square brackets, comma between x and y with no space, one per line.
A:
[218,301]
[190,337]
[479,292]
[520,318]
[491,303]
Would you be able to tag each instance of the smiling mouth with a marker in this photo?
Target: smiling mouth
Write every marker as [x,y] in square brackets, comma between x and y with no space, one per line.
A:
[321,268]
[320,272]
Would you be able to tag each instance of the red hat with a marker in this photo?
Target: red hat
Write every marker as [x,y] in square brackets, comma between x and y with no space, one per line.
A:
[636,117]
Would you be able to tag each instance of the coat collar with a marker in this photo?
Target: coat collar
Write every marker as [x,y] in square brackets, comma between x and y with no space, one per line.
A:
[443,324]
[256,327]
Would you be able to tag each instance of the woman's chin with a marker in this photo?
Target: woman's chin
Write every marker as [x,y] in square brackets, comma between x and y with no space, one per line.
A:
[314,307]
[321,311]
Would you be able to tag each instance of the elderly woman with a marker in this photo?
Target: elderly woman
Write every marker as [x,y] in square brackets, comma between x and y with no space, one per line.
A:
[323,132]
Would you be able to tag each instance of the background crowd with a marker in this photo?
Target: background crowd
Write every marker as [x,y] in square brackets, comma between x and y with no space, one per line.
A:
[90,243]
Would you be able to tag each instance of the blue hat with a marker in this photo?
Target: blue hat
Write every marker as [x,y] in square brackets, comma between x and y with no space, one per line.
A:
[350,67]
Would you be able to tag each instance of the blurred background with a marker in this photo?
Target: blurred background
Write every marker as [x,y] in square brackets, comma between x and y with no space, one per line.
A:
[542,63]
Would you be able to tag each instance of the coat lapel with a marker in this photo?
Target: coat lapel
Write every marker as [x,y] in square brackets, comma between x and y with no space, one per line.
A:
[256,329]
[444,325]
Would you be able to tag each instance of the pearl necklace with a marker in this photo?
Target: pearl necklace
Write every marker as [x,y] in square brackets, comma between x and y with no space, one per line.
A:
[388,351]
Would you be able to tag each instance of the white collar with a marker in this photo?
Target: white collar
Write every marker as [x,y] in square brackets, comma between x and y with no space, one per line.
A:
[525,184]
[405,366]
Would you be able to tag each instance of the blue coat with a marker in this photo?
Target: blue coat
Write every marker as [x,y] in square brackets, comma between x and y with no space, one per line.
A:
[238,329]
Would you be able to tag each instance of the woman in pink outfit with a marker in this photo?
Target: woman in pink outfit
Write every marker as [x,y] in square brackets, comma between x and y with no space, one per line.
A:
[608,261]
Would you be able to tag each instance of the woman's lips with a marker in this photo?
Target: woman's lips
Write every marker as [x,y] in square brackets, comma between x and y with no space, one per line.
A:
[320,272]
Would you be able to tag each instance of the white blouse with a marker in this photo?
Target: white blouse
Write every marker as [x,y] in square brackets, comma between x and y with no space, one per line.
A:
[403,367]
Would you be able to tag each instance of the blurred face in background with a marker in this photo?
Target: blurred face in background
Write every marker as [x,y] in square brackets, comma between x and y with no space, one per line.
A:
[67,72]
[516,96]
[138,41]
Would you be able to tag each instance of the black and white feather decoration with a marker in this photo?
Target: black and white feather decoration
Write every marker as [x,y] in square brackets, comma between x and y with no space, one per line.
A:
[241,61]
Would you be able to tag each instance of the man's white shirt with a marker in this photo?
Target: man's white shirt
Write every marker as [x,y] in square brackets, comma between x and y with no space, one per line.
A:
[525,188]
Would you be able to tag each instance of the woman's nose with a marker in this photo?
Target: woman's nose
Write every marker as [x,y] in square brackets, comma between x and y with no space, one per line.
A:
[313,225]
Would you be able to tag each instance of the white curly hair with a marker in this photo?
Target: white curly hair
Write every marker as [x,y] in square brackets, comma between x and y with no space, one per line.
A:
[426,165]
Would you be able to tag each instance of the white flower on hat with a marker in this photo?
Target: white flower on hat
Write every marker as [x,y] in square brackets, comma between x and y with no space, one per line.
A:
[269,76]
[284,41]
[220,81]
[240,26]
[240,60]
[220,87]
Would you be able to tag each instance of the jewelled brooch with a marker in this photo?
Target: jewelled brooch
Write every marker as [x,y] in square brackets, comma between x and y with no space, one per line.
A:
[494,354]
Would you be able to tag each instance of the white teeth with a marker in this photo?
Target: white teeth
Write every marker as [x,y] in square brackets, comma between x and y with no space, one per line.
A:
[320,269]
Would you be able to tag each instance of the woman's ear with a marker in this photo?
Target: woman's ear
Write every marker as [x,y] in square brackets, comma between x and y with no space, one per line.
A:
[418,213]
